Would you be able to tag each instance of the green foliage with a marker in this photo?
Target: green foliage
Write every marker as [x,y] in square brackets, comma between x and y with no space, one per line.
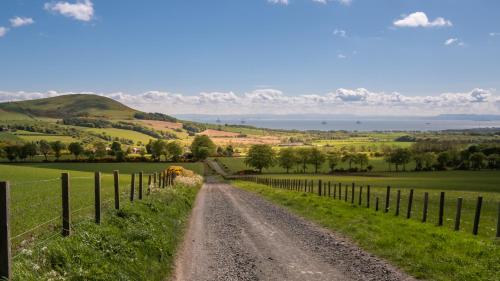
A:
[135,243]
[202,147]
[76,149]
[287,158]
[316,158]
[260,156]
[154,116]
[174,150]
[57,147]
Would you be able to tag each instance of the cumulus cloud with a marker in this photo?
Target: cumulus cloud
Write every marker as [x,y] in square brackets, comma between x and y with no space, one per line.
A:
[3,31]
[82,10]
[420,19]
[454,42]
[493,34]
[21,21]
[273,101]
[281,2]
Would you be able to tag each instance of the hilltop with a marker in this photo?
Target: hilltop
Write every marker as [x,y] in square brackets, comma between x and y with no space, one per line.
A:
[78,105]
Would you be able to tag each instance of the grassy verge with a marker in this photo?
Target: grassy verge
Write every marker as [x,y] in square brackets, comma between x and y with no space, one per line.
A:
[137,242]
[423,250]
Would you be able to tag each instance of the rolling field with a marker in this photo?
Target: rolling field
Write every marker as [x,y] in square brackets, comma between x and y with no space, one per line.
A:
[120,133]
[36,192]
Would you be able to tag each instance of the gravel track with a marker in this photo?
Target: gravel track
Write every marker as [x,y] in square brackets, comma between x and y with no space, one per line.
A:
[237,235]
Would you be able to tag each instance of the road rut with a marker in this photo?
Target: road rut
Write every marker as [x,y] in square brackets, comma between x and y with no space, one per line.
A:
[237,235]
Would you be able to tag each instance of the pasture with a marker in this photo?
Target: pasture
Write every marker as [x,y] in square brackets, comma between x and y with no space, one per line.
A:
[36,192]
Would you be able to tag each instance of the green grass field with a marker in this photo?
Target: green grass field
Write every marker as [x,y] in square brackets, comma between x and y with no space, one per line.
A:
[36,191]
[489,213]
[423,250]
[120,133]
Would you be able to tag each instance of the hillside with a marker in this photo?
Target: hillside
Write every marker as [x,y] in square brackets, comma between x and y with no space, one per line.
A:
[79,105]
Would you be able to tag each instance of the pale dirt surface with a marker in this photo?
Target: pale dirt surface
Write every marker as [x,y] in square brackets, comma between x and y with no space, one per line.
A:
[237,235]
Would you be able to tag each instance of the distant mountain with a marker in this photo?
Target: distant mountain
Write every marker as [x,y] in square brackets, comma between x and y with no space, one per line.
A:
[79,105]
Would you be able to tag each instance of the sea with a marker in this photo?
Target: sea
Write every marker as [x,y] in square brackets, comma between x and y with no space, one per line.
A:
[349,124]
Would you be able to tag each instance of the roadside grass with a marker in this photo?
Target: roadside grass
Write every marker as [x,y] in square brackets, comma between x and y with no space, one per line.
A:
[36,192]
[465,184]
[423,250]
[137,242]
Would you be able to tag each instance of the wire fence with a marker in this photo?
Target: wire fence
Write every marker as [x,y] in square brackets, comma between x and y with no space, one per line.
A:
[48,208]
[471,212]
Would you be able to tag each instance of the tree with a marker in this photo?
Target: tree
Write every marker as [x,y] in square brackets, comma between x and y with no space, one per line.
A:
[12,152]
[443,158]
[349,158]
[400,156]
[429,160]
[260,156]
[99,149]
[362,160]
[57,147]
[115,147]
[30,150]
[333,159]
[76,149]
[477,160]
[174,149]
[157,148]
[303,155]
[202,147]
[229,150]
[45,148]
[287,158]
[493,161]
[316,158]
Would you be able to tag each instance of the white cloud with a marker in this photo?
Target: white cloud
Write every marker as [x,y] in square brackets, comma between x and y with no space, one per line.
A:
[420,19]
[341,56]
[451,41]
[81,10]
[21,21]
[340,32]
[3,31]
[272,101]
[493,34]
[281,2]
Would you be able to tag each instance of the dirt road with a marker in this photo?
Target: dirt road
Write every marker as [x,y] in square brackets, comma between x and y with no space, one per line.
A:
[236,235]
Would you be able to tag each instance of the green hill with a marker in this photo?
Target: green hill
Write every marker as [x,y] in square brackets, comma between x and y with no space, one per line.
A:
[79,105]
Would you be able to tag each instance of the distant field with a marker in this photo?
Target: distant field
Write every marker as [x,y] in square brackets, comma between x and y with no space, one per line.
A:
[120,133]
[36,190]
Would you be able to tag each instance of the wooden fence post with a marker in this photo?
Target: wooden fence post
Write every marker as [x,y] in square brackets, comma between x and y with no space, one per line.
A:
[140,185]
[334,191]
[320,187]
[149,185]
[410,204]
[398,202]
[116,179]
[441,209]
[66,215]
[498,221]
[345,192]
[329,189]
[376,203]
[352,194]
[340,191]
[387,198]
[458,214]
[360,195]
[154,179]
[5,247]
[477,216]
[132,187]
[368,196]
[426,207]
[97,197]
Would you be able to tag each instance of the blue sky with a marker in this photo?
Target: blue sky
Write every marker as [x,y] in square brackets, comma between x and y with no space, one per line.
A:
[350,55]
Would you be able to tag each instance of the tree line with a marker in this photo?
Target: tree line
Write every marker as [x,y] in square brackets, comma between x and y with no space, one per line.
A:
[263,156]
[157,150]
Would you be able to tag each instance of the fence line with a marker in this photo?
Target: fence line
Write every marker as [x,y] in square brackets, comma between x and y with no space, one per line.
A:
[155,181]
[320,190]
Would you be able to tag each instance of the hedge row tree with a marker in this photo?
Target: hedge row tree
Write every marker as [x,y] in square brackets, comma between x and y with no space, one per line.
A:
[260,156]
[202,147]
[287,158]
